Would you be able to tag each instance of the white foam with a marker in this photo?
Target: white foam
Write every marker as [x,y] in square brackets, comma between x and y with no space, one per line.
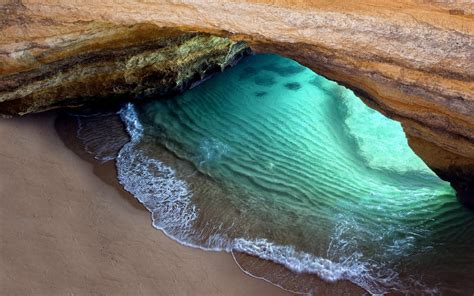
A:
[211,150]
[132,124]
[153,183]
[350,268]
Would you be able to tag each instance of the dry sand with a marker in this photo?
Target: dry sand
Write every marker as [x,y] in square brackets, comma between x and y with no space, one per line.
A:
[63,231]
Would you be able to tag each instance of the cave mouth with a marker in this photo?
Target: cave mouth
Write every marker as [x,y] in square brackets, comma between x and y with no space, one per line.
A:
[271,160]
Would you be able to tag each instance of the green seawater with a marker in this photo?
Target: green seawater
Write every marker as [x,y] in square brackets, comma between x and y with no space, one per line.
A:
[270,159]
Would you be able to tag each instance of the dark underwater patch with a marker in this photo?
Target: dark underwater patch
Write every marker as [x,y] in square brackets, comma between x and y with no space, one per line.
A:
[260,93]
[293,85]
[264,80]
[316,81]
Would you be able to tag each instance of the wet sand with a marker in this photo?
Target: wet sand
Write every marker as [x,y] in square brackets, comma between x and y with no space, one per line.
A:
[64,231]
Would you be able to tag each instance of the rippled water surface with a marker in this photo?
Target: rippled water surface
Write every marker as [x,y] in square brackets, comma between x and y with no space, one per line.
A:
[271,160]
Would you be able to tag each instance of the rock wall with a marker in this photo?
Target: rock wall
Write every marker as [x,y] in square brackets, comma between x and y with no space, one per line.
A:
[95,61]
[411,60]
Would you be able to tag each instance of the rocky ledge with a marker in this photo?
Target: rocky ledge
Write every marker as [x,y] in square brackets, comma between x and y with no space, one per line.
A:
[411,60]
[62,65]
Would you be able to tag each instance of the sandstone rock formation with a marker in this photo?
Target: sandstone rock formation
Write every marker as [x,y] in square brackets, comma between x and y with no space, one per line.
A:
[412,60]
[99,61]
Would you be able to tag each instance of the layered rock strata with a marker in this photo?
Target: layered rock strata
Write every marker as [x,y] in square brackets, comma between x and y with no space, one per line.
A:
[100,61]
[411,60]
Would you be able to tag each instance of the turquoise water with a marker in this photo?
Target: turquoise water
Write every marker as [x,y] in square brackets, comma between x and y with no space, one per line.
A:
[272,160]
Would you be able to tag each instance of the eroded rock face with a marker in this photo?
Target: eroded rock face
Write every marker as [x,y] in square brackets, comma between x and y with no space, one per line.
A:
[101,61]
[411,60]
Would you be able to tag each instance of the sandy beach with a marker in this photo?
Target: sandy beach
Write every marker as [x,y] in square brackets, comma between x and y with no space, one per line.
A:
[64,231]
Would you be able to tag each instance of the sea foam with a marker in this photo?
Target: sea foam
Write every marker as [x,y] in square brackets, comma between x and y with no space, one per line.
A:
[153,183]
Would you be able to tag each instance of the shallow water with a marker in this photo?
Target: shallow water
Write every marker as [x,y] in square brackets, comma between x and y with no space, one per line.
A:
[271,160]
